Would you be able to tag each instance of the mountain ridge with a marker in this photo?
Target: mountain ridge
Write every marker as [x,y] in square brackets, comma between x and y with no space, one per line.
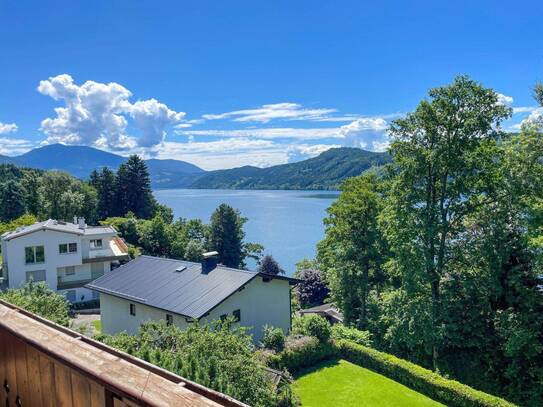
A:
[325,171]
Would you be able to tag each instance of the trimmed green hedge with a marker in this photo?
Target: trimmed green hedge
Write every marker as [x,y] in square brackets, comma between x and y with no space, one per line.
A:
[305,352]
[449,392]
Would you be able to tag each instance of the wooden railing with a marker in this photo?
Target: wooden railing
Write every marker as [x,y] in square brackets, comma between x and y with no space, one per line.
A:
[44,364]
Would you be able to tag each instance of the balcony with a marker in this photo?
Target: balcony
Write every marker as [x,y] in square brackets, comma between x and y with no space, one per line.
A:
[65,284]
[116,249]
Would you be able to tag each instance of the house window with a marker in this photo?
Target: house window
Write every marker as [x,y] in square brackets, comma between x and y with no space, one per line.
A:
[64,248]
[70,295]
[69,270]
[133,309]
[237,315]
[169,319]
[223,317]
[36,275]
[96,244]
[34,254]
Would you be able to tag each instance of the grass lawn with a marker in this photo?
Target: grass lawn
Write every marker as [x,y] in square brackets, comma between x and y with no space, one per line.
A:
[340,383]
[97,324]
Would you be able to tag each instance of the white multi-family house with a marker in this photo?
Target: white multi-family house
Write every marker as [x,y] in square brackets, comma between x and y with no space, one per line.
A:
[65,255]
[181,292]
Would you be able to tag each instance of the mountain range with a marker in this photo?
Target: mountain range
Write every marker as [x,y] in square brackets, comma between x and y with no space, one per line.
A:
[326,171]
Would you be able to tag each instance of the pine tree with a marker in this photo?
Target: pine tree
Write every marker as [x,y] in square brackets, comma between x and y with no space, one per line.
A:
[133,189]
[12,200]
[226,235]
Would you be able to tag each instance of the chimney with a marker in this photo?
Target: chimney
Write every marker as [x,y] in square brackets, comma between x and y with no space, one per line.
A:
[209,261]
[81,223]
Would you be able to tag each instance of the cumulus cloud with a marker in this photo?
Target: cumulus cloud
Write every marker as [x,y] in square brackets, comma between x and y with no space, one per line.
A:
[6,128]
[504,99]
[266,113]
[367,133]
[96,114]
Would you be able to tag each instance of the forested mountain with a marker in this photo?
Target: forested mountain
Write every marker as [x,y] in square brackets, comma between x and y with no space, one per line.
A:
[79,161]
[325,171]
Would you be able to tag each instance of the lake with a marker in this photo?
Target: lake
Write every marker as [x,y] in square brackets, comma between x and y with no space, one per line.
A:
[288,223]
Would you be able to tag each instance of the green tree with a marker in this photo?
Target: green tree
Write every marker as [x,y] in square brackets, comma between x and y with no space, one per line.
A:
[269,265]
[352,252]
[155,237]
[105,184]
[70,204]
[133,189]
[226,235]
[12,200]
[443,155]
[39,299]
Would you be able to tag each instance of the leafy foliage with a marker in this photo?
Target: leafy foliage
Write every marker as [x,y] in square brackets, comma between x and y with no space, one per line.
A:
[219,356]
[313,289]
[39,299]
[269,265]
[340,331]
[312,325]
[273,338]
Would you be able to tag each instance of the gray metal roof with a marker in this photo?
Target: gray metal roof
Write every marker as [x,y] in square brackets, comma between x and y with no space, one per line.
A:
[59,226]
[154,281]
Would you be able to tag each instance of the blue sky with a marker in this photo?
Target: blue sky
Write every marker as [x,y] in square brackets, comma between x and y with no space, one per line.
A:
[223,84]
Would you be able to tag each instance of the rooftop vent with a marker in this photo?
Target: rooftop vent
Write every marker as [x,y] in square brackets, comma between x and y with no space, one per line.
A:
[180,269]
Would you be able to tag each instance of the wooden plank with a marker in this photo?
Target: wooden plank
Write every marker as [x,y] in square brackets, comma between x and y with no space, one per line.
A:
[97,394]
[19,348]
[63,385]
[80,390]
[4,400]
[11,371]
[33,369]
[47,381]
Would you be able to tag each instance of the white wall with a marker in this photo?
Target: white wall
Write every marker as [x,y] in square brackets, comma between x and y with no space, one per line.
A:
[259,303]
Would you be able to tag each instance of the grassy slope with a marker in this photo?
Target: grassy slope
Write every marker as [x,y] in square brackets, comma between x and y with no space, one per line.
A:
[340,383]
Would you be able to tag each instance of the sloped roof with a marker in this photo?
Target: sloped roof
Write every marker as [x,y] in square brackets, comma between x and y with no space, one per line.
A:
[154,281]
[58,226]
[325,309]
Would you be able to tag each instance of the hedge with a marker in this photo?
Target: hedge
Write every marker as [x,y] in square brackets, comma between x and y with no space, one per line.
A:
[449,392]
[304,352]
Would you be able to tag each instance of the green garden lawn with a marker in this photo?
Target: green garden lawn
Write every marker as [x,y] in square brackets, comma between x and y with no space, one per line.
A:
[340,383]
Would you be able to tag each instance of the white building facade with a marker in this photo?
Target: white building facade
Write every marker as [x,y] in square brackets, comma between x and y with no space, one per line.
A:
[64,255]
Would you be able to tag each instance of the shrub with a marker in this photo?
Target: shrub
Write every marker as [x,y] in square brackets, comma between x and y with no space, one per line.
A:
[274,338]
[312,325]
[449,392]
[41,300]
[302,352]
[219,355]
[340,331]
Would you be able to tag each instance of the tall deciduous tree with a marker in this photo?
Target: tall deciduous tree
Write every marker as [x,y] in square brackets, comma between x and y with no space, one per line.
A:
[351,250]
[444,156]
[133,189]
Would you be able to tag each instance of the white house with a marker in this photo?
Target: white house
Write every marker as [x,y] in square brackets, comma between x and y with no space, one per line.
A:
[181,292]
[65,255]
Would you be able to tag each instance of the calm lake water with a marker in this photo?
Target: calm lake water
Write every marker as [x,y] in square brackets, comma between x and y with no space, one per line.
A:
[288,223]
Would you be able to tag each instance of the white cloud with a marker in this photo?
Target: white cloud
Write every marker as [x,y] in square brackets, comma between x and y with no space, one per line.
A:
[266,113]
[504,99]
[366,133]
[6,128]
[96,114]
[14,146]
[304,151]
[268,133]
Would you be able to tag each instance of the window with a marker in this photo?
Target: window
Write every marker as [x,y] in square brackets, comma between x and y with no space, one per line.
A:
[37,275]
[70,295]
[237,315]
[169,319]
[96,243]
[64,248]
[69,270]
[223,317]
[133,309]
[34,254]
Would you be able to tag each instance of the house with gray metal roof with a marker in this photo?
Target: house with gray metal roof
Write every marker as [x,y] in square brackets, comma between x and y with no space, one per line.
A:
[65,255]
[182,292]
